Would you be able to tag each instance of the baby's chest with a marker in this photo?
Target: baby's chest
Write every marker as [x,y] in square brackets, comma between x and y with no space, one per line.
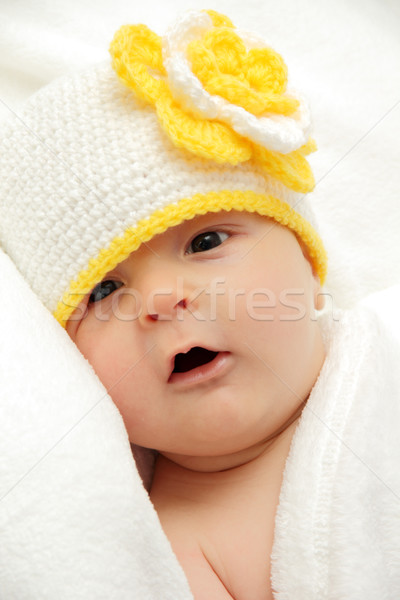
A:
[237,542]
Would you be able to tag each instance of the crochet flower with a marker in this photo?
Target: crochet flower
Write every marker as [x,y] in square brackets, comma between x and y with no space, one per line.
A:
[219,93]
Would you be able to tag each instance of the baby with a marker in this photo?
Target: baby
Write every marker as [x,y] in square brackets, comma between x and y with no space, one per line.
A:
[213,371]
[174,241]
[206,334]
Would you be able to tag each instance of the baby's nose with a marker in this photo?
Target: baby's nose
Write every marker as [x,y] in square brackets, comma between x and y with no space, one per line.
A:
[163,289]
[163,304]
[168,289]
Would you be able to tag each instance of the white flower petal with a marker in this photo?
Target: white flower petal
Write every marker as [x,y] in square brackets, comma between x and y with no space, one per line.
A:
[191,26]
[274,132]
[188,90]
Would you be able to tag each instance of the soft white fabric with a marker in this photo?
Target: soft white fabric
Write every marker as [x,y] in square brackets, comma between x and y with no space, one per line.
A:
[75,521]
[337,530]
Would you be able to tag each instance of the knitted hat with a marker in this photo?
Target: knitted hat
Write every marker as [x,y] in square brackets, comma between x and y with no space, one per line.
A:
[199,121]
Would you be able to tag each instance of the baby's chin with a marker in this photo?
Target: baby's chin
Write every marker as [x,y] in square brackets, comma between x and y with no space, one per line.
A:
[276,443]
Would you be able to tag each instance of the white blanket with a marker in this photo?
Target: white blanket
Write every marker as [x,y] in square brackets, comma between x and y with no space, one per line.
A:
[75,521]
[338,524]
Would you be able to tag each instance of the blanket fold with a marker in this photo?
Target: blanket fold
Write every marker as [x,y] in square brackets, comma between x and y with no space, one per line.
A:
[338,523]
[77,523]
[75,519]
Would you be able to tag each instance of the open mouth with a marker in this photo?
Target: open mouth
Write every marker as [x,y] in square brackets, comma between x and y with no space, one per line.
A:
[195,357]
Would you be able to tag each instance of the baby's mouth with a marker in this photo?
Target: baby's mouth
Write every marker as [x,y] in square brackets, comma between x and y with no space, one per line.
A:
[198,366]
[195,357]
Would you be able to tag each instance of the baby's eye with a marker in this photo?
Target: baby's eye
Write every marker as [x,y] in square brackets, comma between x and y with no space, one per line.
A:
[206,241]
[104,289]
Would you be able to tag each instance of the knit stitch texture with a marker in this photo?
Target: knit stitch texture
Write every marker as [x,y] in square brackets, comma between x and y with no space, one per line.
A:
[94,166]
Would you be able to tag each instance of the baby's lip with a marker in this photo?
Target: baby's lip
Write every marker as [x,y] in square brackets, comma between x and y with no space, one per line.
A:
[201,366]
[217,365]
[190,357]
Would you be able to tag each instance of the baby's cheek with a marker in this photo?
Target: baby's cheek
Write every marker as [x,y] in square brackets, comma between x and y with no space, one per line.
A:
[100,351]
[260,304]
[131,393]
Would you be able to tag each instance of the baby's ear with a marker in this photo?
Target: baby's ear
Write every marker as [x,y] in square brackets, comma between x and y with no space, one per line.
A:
[319,297]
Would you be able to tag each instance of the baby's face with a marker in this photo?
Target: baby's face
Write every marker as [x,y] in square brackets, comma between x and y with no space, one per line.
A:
[206,337]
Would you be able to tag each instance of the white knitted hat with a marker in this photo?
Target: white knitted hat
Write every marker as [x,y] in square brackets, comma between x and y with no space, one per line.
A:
[95,166]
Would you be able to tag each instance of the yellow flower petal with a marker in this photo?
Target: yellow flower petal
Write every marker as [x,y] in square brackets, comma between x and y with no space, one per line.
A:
[202,61]
[291,169]
[309,147]
[281,105]
[207,139]
[229,50]
[218,19]
[136,51]
[265,70]
[237,92]
[253,80]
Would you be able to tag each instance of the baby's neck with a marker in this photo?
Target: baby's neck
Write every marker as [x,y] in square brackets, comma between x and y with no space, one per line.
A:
[267,450]
[199,473]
